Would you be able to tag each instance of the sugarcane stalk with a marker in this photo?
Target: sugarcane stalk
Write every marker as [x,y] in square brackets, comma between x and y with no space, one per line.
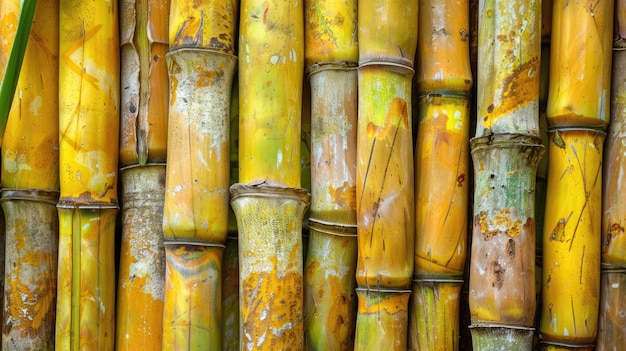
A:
[444,82]
[88,132]
[31,256]
[329,298]
[140,292]
[619,34]
[268,201]
[230,274]
[144,98]
[506,152]
[143,142]
[611,323]
[571,243]
[30,173]
[578,114]
[195,223]
[384,172]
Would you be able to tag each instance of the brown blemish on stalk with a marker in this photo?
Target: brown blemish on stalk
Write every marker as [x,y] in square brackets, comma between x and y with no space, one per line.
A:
[558,233]
[339,317]
[518,88]
[498,275]
[614,231]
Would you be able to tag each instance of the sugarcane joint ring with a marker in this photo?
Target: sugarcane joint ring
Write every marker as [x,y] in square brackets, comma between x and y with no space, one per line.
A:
[269,190]
[167,243]
[390,65]
[611,268]
[382,290]
[565,344]
[506,140]
[337,229]
[592,129]
[451,280]
[139,166]
[503,327]
[36,195]
[194,50]
[331,66]
[87,206]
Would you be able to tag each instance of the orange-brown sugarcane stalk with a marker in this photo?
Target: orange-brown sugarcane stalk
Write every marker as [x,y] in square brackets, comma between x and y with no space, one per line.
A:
[88,137]
[384,173]
[201,69]
[331,57]
[30,175]
[268,201]
[444,81]
[506,151]
[611,321]
[578,114]
[143,139]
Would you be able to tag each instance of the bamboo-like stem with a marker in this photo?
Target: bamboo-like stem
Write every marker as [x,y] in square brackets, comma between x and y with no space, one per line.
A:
[140,292]
[571,243]
[30,173]
[384,172]
[31,275]
[144,93]
[506,152]
[330,31]
[435,314]
[329,300]
[502,276]
[619,34]
[268,201]
[444,82]
[88,133]
[580,64]
[196,195]
[382,319]
[270,265]
[612,322]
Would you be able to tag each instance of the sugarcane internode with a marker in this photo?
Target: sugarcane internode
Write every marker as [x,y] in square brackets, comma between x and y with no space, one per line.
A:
[269,218]
[503,241]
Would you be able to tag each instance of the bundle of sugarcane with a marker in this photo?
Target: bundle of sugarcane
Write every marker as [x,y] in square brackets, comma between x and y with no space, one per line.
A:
[384,173]
[88,136]
[143,139]
[331,56]
[612,321]
[201,69]
[30,173]
[444,81]
[578,113]
[268,201]
[506,152]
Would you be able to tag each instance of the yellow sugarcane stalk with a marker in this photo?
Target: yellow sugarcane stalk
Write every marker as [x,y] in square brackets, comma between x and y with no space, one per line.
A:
[329,298]
[143,139]
[144,98]
[441,164]
[330,31]
[384,172]
[195,223]
[30,174]
[580,63]
[88,134]
[571,243]
[578,113]
[140,292]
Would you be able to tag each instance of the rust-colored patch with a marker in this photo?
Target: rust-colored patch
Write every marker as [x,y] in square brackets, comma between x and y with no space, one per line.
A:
[344,196]
[497,274]
[339,316]
[460,179]
[519,87]
[614,230]
[272,310]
